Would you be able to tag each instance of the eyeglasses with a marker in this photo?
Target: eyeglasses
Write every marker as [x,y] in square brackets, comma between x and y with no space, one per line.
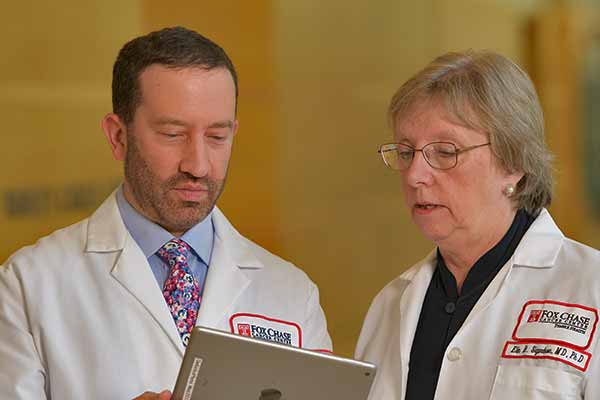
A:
[439,155]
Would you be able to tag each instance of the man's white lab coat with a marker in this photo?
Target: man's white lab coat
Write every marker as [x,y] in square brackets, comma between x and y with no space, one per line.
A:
[82,316]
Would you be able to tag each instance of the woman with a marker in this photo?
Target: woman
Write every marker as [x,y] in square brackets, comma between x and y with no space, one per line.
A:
[506,307]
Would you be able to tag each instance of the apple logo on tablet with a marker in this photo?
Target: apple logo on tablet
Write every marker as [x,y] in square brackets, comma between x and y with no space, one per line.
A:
[270,394]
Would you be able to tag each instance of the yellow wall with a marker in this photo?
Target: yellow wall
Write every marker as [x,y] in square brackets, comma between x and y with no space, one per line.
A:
[315,80]
[55,78]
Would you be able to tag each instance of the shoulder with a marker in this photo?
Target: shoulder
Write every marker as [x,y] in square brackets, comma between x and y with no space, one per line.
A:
[395,288]
[547,240]
[52,249]
[577,255]
[253,256]
[37,271]
[382,322]
[580,250]
[102,231]
[274,265]
[544,245]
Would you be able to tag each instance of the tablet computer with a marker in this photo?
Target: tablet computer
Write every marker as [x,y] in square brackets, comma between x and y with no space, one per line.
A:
[224,366]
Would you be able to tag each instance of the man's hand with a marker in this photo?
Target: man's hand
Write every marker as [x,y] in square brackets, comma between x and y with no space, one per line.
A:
[164,395]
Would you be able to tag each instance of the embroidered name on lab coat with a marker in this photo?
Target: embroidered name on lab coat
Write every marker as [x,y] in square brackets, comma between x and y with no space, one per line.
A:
[570,356]
[265,328]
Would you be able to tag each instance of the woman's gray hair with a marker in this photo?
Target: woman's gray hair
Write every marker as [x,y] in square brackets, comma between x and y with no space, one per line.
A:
[485,91]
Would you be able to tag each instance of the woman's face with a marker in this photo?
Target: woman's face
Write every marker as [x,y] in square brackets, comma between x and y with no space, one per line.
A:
[458,206]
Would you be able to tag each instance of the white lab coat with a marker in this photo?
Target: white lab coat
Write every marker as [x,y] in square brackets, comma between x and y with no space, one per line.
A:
[501,351]
[82,316]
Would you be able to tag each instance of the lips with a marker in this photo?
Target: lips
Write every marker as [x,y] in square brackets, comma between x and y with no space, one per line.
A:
[192,188]
[426,206]
[191,193]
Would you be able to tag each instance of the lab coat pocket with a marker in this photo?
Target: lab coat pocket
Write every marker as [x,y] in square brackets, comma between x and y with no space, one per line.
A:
[529,382]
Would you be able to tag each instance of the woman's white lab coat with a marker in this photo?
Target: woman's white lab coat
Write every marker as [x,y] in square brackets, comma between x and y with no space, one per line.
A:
[533,334]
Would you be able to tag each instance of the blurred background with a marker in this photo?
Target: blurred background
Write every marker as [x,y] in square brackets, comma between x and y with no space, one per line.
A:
[315,79]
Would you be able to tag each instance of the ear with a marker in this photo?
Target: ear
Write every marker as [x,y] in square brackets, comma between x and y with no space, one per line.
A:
[514,178]
[116,133]
[236,124]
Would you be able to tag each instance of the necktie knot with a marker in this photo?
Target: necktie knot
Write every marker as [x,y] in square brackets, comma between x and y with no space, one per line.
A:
[175,251]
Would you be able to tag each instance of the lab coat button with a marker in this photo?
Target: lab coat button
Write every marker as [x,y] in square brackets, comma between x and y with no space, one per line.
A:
[455,354]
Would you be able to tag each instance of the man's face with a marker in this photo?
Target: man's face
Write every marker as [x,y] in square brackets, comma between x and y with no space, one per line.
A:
[179,143]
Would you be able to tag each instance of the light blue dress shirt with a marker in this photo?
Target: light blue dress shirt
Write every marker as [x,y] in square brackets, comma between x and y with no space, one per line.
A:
[150,237]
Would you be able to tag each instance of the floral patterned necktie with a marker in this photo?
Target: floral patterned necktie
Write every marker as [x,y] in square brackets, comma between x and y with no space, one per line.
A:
[181,290]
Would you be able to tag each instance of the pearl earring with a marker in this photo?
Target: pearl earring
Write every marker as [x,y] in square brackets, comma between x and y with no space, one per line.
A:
[509,190]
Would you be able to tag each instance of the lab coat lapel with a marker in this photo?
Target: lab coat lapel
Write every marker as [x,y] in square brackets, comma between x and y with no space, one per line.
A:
[410,310]
[226,280]
[488,295]
[545,238]
[133,272]
[107,233]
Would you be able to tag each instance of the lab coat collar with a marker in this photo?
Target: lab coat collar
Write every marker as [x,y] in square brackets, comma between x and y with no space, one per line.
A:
[106,230]
[543,235]
[108,237]
[236,245]
[540,245]
[226,279]
[538,248]
[107,233]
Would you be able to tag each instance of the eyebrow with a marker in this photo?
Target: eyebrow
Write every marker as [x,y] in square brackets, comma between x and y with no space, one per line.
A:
[222,124]
[401,138]
[169,121]
[447,135]
[176,122]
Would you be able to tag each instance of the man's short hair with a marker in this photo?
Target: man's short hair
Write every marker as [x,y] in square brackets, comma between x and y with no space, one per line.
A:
[175,48]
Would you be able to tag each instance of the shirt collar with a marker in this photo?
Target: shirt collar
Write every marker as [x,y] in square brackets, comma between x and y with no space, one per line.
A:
[151,237]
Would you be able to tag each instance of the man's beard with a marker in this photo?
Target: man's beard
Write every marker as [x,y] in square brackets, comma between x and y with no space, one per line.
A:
[157,200]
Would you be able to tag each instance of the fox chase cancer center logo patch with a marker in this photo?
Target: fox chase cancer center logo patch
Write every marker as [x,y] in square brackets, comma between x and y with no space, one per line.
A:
[552,321]
[554,330]
[265,328]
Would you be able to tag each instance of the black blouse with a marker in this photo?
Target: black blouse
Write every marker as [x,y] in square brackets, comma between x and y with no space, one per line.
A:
[444,311]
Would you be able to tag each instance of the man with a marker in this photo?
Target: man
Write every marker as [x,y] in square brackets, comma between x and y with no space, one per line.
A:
[103,309]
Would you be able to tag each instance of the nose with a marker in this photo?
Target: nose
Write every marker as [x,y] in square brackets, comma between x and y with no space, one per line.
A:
[196,157]
[419,171]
